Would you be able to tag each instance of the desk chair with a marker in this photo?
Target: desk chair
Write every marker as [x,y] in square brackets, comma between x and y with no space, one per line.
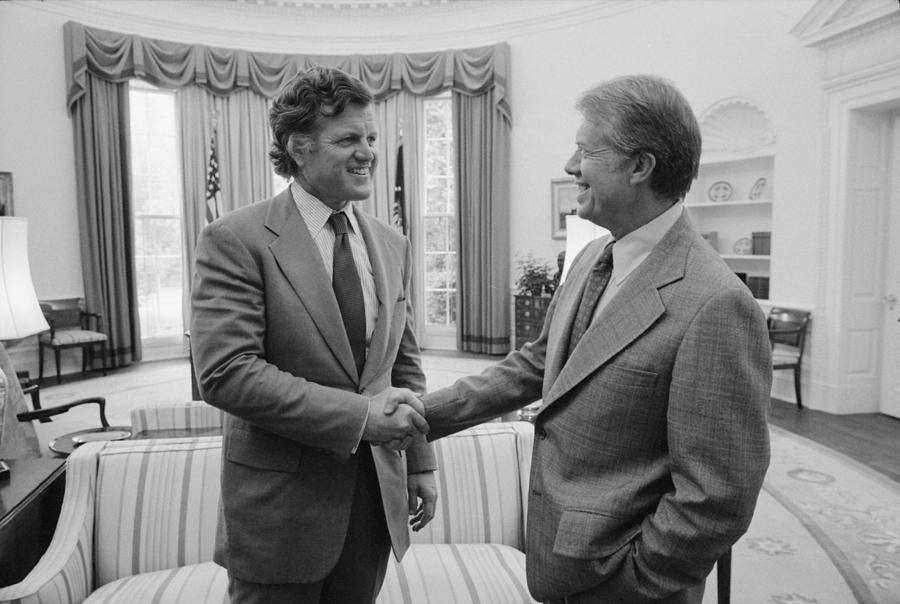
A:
[71,326]
[787,335]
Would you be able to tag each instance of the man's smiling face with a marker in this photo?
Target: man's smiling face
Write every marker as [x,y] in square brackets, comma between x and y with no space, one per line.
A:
[337,167]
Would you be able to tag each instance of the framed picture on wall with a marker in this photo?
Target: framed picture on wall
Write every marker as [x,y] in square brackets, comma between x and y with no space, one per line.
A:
[562,203]
[6,194]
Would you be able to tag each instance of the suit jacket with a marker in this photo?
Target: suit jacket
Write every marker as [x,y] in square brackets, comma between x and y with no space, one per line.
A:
[270,349]
[651,443]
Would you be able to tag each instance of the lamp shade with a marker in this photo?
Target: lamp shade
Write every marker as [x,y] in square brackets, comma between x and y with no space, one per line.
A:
[20,312]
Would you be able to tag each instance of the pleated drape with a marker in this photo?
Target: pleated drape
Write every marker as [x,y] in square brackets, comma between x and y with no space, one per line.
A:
[482,180]
[245,174]
[102,169]
[476,73]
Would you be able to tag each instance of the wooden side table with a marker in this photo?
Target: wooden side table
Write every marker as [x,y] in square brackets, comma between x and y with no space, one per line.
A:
[30,502]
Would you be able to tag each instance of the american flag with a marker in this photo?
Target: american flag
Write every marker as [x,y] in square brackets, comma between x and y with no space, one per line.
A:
[398,210]
[213,192]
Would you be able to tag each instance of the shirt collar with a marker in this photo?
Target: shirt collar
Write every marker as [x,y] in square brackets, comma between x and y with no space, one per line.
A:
[315,213]
[633,248]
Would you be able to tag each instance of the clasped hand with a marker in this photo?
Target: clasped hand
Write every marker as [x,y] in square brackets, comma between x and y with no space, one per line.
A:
[396,419]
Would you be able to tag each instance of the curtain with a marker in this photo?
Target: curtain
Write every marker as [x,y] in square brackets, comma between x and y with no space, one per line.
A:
[476,73]
[245,174]
[414,188]
[102,169]
[482,180]
[388,117]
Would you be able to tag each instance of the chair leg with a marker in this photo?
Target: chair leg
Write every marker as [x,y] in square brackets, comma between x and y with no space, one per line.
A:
[723,578]
[103,356]
[797,387]
[40,362]
[58,374]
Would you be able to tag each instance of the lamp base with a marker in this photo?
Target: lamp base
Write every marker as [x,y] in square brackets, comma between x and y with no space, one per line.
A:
[4,470]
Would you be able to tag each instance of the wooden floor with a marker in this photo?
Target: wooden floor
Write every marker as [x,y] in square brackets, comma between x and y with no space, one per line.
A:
[870,438]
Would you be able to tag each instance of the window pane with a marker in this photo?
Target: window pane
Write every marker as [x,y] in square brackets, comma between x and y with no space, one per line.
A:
[437,200]
[436,234]
[156,203]
[439,215]
[436,308]
[438,158]
[435,271]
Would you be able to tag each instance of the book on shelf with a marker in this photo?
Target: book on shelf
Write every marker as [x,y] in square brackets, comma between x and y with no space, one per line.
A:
[759,287]
[761,243]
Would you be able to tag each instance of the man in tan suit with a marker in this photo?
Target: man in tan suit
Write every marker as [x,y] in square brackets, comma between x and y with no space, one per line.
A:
[301,331]
[651,443]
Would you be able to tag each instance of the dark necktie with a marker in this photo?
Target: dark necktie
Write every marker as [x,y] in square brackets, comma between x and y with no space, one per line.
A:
[596,283]
[348,290]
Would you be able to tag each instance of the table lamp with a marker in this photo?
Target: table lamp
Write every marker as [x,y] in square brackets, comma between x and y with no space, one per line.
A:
[20,312]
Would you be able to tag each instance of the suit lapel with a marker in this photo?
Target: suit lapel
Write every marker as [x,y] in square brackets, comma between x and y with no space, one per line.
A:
[301,263]
[375,246]
[634,309]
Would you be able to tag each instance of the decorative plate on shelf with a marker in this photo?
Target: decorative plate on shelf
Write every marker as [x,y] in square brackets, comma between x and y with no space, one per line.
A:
[720,191]
[743,246]
[758,188]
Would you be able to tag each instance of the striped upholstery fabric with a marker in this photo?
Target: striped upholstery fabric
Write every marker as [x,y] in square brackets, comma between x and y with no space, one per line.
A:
[205,583]
[187,415]
[474,573]
[480,488]
[65,573]
[71,337]
[156,511]
[139,517]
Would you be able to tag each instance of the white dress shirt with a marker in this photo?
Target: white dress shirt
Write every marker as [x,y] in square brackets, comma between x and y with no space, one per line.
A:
[633,248]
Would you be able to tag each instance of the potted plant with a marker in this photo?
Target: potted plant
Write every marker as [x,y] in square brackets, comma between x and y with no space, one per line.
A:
[536,277]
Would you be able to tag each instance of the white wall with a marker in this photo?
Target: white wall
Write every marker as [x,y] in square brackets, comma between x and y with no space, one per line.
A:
[711,50]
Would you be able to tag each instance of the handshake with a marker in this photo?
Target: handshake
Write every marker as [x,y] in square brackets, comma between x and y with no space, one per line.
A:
[396,419]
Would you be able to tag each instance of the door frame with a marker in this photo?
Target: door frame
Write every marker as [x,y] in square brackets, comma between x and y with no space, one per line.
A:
[834,385]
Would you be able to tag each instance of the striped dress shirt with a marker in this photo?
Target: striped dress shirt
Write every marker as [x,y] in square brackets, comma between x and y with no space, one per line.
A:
[315,214]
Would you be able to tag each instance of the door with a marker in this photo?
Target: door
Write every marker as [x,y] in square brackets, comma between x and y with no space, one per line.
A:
[890,366]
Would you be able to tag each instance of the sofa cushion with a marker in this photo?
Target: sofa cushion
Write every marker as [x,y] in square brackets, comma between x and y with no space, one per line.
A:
[480,488]
[430,574]
[471,573]
[205,583]
[156,511]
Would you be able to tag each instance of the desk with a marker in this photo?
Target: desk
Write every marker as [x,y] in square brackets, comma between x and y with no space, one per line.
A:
[30,502]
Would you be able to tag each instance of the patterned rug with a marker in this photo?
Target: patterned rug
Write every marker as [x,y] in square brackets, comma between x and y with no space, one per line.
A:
[826,529]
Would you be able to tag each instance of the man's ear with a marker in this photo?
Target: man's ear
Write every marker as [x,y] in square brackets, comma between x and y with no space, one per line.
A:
[644,164]
[298,146]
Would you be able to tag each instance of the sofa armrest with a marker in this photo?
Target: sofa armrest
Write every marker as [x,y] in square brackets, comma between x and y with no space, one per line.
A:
[65,573]
[190,415]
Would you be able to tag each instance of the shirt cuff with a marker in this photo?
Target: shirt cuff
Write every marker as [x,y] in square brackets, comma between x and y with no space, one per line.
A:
[363,429]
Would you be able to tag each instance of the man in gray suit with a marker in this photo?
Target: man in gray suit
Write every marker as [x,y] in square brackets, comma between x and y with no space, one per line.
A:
[301,331]
[651,443]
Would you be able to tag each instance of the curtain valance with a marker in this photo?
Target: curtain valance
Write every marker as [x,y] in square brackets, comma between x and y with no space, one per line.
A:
[117,57]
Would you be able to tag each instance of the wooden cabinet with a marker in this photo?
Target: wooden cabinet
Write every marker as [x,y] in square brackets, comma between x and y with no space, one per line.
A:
[530,313]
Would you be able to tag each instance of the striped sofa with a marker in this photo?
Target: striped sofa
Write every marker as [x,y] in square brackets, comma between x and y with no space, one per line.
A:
[139,517]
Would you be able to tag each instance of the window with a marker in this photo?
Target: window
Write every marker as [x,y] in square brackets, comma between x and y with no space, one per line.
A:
[156,207]
[439,219]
